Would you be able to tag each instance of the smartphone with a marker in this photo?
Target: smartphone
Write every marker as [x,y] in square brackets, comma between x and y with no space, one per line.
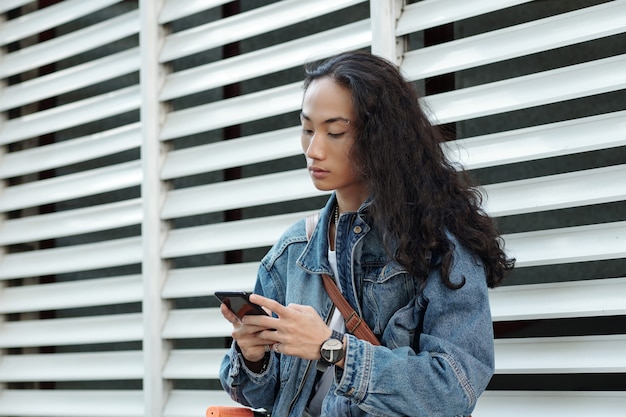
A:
[239,303]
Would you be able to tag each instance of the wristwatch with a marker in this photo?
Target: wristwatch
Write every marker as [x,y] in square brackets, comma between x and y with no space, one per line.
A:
[331,351]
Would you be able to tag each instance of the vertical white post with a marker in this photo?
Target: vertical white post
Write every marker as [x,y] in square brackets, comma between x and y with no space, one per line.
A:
[2,219]
[2,187]
[384,15]
[153,229]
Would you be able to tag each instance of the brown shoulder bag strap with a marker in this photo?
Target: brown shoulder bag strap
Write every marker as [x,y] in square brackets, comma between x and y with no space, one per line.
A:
[354,322]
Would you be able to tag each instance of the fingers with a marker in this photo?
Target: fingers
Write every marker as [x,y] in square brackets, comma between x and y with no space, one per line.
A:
[268,303]
[301,309]
[252,345]
[279,309]
[254,325]
[295,330]
[254,353]
[248,333]
[229,315]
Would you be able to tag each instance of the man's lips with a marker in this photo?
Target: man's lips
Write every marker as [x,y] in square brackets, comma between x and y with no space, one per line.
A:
[317,172]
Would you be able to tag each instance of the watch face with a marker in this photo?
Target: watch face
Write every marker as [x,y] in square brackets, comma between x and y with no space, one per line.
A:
[332,350]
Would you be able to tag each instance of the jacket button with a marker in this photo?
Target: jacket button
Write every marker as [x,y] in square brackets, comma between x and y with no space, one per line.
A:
[357,229]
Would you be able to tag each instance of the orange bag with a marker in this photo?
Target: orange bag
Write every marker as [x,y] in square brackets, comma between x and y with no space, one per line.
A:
[223,411]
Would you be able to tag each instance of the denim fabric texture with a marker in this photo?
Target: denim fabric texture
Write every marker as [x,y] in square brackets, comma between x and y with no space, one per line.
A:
[437,353]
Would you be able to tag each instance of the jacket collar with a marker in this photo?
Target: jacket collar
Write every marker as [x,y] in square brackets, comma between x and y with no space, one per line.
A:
[314,257]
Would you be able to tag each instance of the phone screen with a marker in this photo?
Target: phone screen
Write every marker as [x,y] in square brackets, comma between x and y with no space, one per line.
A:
[239,303]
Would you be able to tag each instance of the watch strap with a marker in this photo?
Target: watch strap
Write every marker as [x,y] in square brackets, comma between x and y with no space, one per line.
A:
[337,335]
[322,366]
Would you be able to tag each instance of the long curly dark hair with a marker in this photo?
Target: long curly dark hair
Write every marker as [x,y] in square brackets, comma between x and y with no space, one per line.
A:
[417,194]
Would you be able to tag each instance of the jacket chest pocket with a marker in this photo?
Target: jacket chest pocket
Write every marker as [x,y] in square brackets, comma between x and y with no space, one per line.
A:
[386,289]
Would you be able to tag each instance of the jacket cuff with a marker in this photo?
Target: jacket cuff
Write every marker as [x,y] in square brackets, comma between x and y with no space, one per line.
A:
[354,380]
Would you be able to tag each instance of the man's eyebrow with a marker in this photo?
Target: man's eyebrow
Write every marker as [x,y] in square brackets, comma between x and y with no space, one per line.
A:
[327,121]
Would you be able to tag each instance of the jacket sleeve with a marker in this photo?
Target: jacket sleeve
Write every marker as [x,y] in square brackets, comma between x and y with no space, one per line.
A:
[446,366]
[243,385]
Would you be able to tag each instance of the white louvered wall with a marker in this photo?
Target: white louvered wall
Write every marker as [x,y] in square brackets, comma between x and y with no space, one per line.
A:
[125,208]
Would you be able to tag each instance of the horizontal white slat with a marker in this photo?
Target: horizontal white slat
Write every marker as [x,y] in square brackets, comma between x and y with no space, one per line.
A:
[62,403]
[198,281]
[73,78]
[72,331]
[567,245]
[557,300]
[601,297]
[74,43]
[71,222]
[218,237]
[588,298]
[430,13]
[528,91]
[55,15]
[70,115]
[247,192]
[544,141]
[550,403]
[93,366]
[188,403]
[593,186]
[498,45]
[63,295]
[7,5]
[66,403]
[584,354]
[66,187]
[105,403]
[195,323]
[547,193]
[193,364]
[574,244]
[557,355]
[532,90]
[233,111]
[265,61]
[71,151]
[244,25]
[490,404]
[232,153]
[86,257]
[176,9]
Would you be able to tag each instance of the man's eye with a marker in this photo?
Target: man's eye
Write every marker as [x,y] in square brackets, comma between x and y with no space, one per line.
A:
[336,135]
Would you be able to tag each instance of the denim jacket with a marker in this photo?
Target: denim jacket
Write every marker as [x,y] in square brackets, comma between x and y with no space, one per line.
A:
[436,356]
